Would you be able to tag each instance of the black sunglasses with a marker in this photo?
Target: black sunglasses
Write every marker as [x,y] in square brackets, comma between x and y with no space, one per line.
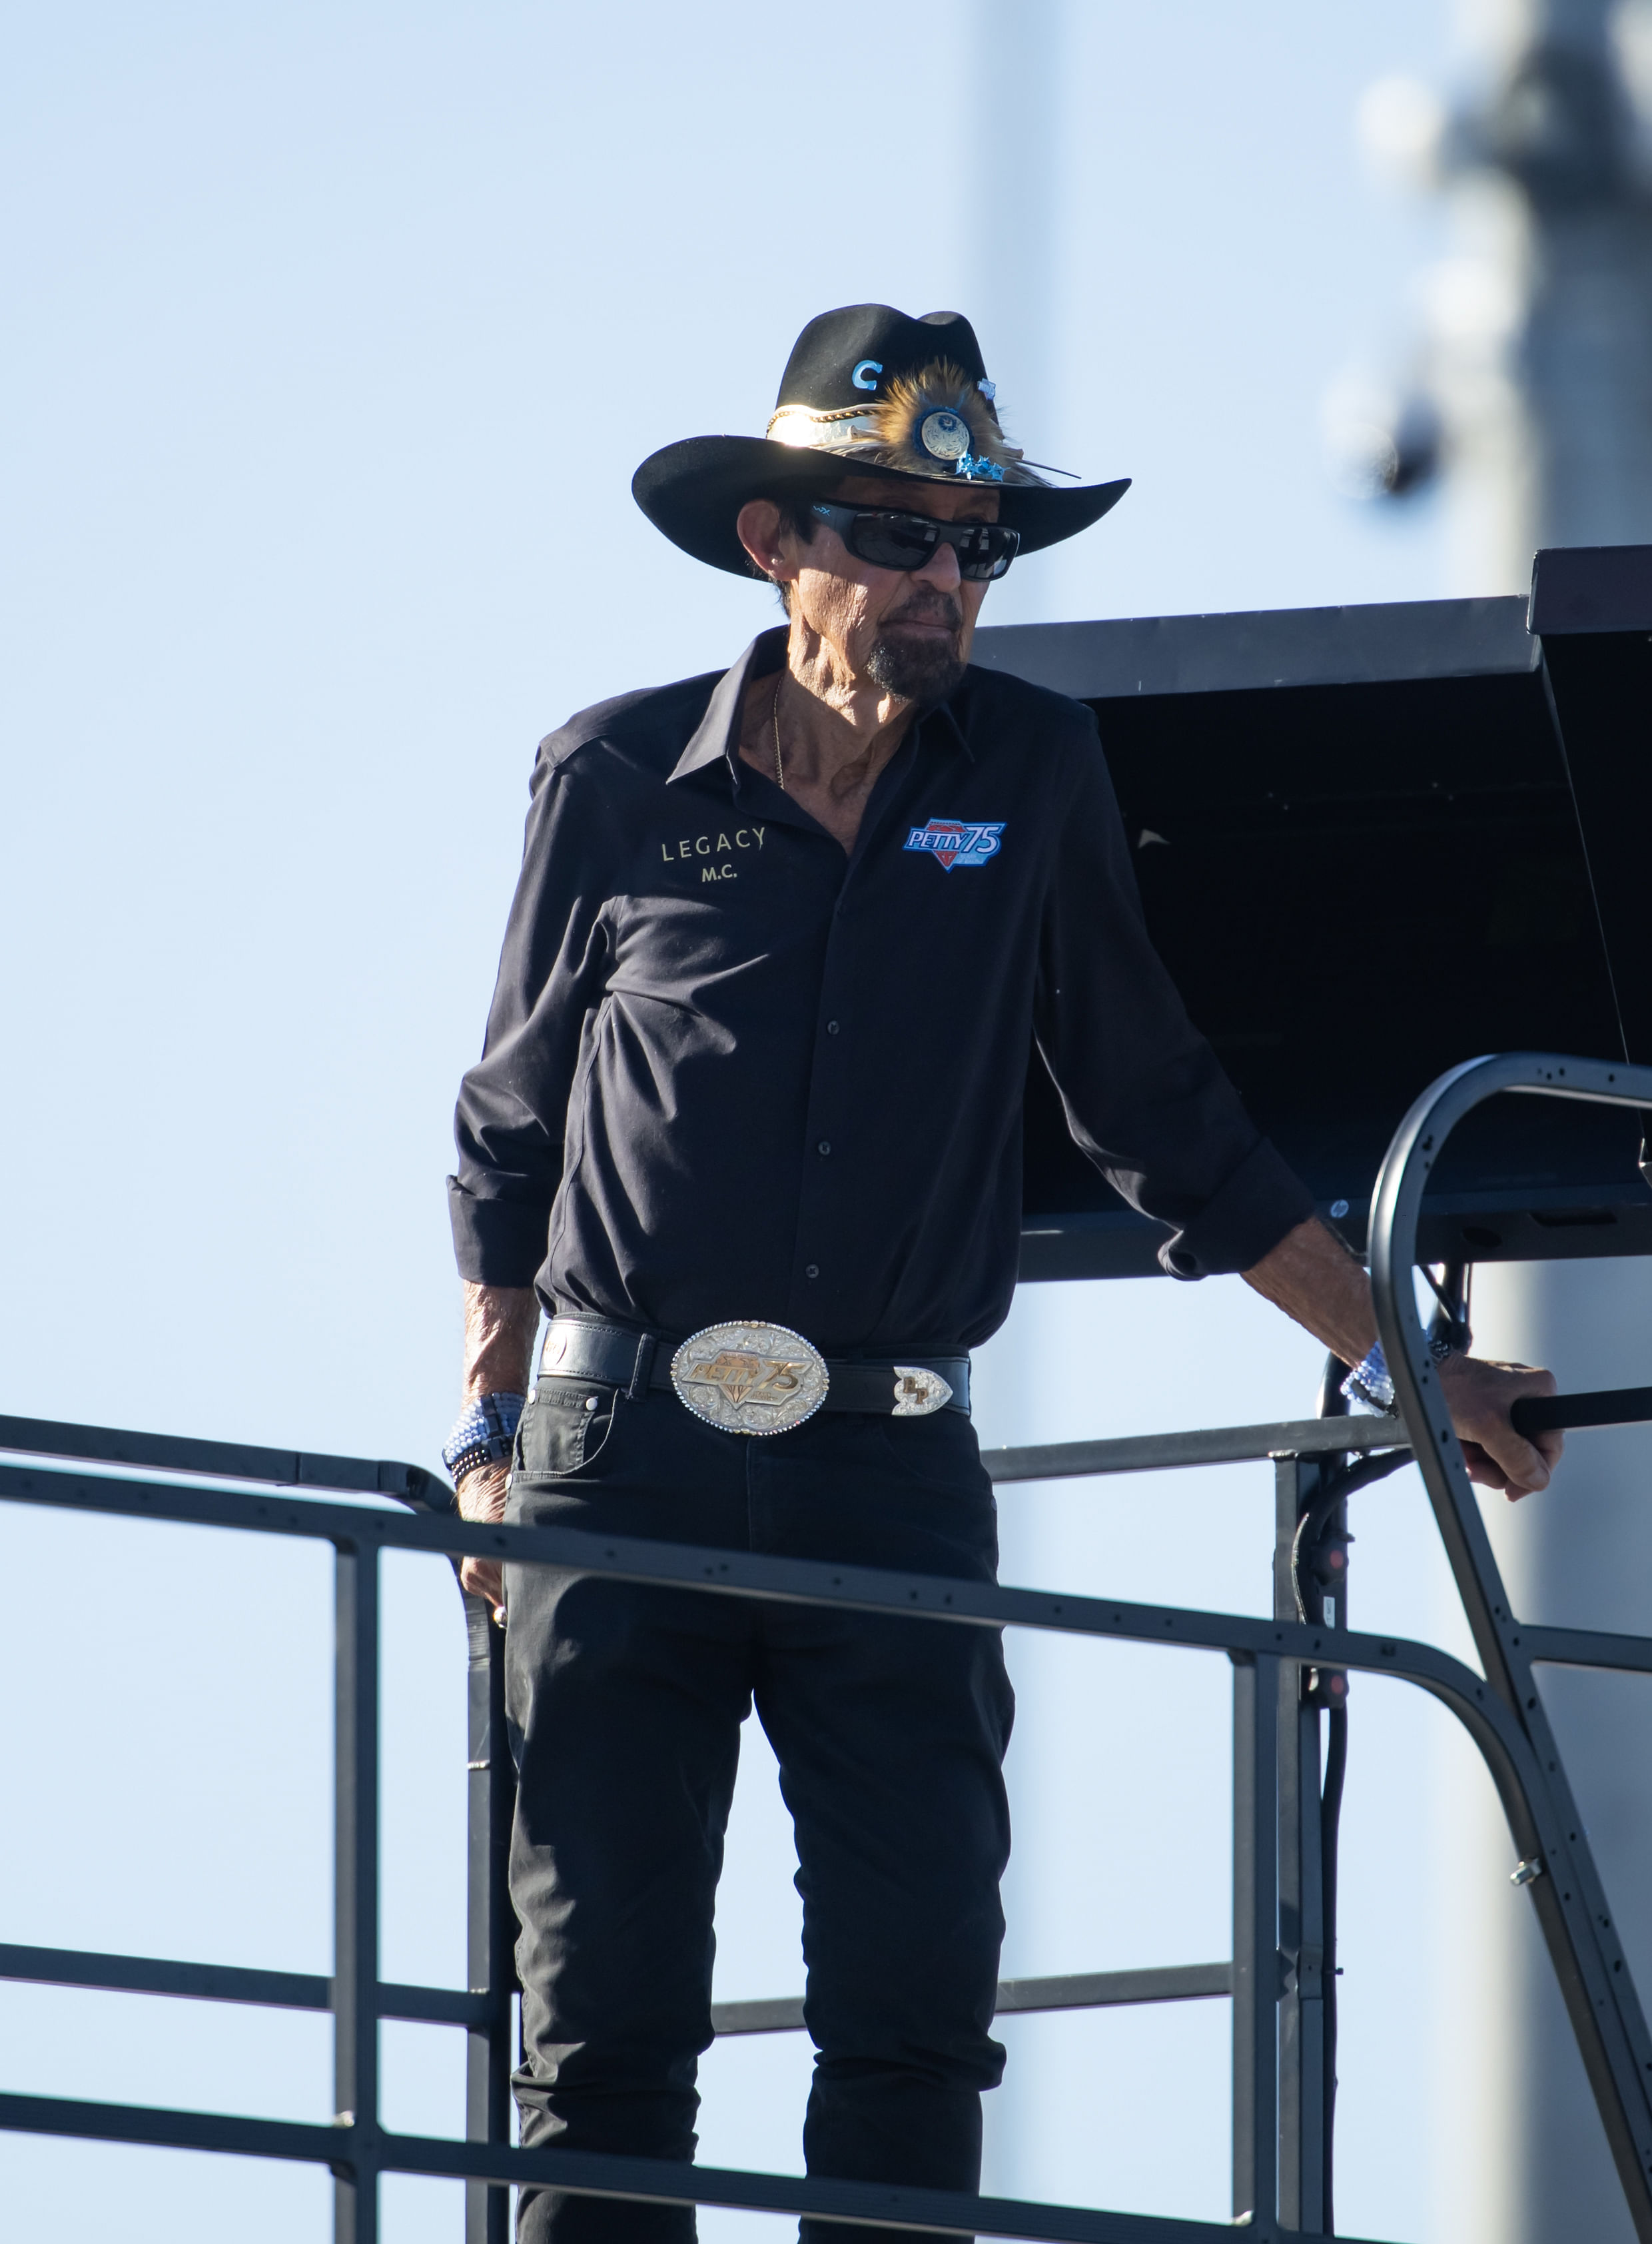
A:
[889,540]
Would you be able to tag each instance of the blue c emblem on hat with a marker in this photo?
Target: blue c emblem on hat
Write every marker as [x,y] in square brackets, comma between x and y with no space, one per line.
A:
[867,366]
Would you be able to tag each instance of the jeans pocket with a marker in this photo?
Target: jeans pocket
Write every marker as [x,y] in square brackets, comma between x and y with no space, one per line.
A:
[564,1428]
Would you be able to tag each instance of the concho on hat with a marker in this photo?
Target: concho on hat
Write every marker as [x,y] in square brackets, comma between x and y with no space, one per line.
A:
[868,390]
[939,422]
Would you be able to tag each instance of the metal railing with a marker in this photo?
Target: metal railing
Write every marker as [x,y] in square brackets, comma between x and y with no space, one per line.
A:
[1285,1672]
[1556,1866]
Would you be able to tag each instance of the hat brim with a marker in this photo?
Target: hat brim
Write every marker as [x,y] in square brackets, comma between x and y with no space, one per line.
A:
[692,490]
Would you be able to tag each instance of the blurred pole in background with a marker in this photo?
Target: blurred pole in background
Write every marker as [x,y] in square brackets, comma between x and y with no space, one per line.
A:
[1542,345]
[1016,272]
[1533,394]
[1020,159]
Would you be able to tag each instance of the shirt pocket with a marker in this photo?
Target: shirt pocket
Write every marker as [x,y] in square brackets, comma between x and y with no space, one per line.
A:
[563,1430]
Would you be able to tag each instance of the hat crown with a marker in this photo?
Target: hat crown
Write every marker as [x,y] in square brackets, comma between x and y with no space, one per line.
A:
[843,358]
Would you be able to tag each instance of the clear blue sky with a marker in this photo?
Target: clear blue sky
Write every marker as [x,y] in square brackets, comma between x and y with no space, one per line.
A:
[334,335]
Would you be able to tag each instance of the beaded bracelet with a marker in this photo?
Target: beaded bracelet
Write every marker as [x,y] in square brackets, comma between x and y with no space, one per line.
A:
[484,1433]
[1371,1382]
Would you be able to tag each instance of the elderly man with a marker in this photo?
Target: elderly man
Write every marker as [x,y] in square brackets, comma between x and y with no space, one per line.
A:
[747,1126]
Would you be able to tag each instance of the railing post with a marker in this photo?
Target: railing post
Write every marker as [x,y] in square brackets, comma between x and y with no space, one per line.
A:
[356,1893]
[491,1925]
[1256,1958]
[1302,2052]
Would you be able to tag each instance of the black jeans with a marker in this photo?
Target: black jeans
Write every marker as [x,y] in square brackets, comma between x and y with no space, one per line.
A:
[625,1705]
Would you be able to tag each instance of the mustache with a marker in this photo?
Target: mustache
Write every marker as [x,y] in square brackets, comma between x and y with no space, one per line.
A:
[928,605]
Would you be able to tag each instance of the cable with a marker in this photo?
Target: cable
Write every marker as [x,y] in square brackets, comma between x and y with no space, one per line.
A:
[1311,1526]
[1329,1828]
[1319,1527]
[1451,1290]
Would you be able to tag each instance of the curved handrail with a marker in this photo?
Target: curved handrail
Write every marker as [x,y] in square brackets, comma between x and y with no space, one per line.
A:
[1565,1888]
[216,1460]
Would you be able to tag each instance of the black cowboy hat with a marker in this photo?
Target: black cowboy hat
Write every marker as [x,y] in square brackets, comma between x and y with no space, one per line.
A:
[866,391]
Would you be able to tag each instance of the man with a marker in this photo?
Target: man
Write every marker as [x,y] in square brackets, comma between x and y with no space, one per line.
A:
[782,941]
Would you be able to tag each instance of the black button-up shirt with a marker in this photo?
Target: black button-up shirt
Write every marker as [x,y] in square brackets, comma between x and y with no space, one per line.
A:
[732,1073]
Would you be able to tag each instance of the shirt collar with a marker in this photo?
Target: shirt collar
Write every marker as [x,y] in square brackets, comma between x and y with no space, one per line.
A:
[717,732]
[944,719]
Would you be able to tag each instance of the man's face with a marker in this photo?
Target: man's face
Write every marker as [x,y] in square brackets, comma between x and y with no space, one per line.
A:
[907,630]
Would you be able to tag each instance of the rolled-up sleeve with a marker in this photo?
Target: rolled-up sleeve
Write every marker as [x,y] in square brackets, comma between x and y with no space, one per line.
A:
[1144,1095]
[512,1104]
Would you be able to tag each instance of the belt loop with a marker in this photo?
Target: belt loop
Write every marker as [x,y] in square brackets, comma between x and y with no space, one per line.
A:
[643,1369]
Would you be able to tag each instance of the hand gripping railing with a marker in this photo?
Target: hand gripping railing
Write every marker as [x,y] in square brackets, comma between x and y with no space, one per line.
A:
[1558,1868]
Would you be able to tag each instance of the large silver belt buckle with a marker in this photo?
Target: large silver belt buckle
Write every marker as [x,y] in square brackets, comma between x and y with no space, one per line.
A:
[749,1378]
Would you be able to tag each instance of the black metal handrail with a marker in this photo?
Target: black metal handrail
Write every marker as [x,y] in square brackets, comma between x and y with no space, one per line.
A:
[1613,1406]
[1558,1865]
[357,2149]
[1279,2158]
[51,1437]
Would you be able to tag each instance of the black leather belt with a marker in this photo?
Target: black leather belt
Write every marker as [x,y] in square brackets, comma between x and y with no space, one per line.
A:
[640,1364]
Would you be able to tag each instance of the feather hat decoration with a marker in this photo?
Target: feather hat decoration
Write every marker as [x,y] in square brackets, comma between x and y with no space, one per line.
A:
[865,391]
[939,422]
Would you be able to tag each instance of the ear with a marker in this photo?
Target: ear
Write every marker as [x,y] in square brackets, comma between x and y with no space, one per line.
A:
[758,527]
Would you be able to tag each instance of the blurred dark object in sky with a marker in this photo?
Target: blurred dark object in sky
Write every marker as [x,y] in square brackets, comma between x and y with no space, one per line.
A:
[1381,441]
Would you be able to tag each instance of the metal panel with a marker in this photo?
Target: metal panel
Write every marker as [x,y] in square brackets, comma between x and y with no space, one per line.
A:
[1264,648]
[1598,688]
[1417,747]
[1585,589]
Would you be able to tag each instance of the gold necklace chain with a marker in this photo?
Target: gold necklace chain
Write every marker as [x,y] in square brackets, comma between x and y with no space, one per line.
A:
[779,767]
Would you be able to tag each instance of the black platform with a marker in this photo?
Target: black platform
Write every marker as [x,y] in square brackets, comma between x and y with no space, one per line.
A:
[1373,843]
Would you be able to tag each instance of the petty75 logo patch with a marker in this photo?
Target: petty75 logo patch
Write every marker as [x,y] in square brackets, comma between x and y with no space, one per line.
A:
[956,842]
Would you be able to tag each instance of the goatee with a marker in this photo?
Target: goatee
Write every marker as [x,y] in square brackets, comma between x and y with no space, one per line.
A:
[920,668]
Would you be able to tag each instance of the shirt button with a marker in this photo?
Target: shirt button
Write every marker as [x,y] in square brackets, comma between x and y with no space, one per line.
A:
[824,1146]
[812,1270]
[831,1028]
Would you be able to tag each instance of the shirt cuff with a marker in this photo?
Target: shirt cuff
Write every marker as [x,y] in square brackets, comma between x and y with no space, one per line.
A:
[1245,1218]
[497,1242]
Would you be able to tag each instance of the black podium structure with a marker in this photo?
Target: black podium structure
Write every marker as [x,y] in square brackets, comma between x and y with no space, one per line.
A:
[1371,841]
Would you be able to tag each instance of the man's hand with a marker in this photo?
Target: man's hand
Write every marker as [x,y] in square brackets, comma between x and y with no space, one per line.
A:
[500,1324]
[1479,1395]
[1314,1276]
[482,1497]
